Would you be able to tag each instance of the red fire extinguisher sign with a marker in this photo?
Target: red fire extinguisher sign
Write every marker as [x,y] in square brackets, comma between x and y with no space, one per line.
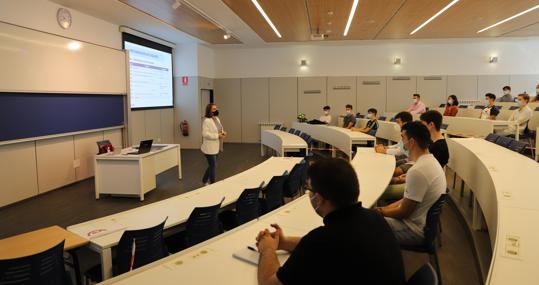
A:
[185,80]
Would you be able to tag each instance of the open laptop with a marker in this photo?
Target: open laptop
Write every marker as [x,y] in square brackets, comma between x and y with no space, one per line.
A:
[144,147]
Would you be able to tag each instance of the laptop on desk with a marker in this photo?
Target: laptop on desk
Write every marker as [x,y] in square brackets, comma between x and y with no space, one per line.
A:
[144,147]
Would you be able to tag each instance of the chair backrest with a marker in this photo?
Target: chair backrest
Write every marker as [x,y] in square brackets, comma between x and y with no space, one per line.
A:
[283,129]
[444,126]
[426,275]
[358,114]
[536,108]
[149,247]
[203,224]
[499,107]
[294,181]
[517,146]
[463,106]
[433,219]
[247,206]
[46,267]
[503,141]
[492,138]
[273,193]
[441,106]
[382,118]
[276,127]
[297,132]
[292,130]
[513,107]
[480,107]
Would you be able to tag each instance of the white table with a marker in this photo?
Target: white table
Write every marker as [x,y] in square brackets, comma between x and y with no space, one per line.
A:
[192,265]
[133,174]
[281,142]
[387,130]
[505,187]
[177,208]
[340,138]
[475,127]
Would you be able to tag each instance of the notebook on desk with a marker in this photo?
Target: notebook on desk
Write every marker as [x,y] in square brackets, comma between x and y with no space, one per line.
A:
[251,256]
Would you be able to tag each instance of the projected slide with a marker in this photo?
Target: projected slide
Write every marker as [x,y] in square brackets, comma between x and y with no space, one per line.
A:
[150,77]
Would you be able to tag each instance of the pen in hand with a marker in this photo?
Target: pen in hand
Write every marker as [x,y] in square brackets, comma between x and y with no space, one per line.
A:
[252,248]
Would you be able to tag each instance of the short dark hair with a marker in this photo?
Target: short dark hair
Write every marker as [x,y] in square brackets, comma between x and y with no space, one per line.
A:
[372,110]
[524,96]
[208,113]
[326,108]
[404,116]
[432,116]
[490,96]
[416,95]
[419,132]
[506,88]
[455,100]
[348,106]
[335,180]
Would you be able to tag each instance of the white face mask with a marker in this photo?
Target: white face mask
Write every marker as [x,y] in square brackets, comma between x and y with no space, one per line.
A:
[369,116]
[313,202]
[326,113]
[348,111]
[403,150]
[519,103]
[506,92]
[450,101]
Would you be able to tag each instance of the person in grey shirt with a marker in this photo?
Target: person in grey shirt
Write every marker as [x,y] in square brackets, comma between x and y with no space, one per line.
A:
[507,97]
[349,119]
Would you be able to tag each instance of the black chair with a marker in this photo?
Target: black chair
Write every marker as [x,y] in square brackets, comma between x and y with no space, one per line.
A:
[149,247]
[46,267]
[513,107]
[430,232]
[479,107]
[444,126]
[292,130]
[382,118]
[463,106]
[492,138]
[517,146]
[441,106]
[297,132]
[203,224]
[273,194]
[294,182]
[425,275]
[276,127]
[247,209]
[499,107]
[358,114]
[283,129]
[503,141]
[393,119]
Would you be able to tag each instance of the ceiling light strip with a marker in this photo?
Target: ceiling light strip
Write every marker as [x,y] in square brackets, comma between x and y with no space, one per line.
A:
[509,19]
[434,17]
[255,2]
[350,17]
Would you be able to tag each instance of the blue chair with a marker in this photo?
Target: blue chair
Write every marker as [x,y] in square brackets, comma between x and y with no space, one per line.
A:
[503,141]
[358,114]
[294,182]
[273,194]
[46,267]
[499,107]
[479,107]
[492,138]
[393,119]
[444,126]
[149,247]
[517,146]
[203,224]
[291,131]
[382,118]
[424,276]
[276,127]
[513,107]
[283,129]
[441,106]
[430,231]
[247,209]
[297,132]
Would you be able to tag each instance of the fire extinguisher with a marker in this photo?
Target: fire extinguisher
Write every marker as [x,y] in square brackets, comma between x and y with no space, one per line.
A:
[184,127]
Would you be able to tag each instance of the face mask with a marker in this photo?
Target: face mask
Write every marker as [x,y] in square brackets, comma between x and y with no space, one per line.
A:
[519,103]
[326,113]
[313,202]
[506,92]
[403,150]
[414,101]
[450,102]
[216,113]
[348,112]
[487,103]
[369,116]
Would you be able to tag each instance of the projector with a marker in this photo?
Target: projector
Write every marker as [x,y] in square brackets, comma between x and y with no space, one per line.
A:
[318,37]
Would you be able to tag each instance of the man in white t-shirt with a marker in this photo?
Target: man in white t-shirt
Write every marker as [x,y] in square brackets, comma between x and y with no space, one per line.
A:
[425,183]
[521,116]
[326,118]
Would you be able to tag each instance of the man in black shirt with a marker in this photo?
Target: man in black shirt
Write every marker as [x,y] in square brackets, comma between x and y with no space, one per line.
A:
[355,245]
[438,147]
[349,119]
[372,124]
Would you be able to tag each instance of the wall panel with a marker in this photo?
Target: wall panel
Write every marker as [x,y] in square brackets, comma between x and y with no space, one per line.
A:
[399,92]
[85,150]
[254,107]
[464,87]
[371,92]
[18,173]
[341,91]
[311,96]
[55,163]
[227,95]
[491,84]
[283,99]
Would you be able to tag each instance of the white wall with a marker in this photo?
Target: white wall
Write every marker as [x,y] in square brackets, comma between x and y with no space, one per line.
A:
[374,58]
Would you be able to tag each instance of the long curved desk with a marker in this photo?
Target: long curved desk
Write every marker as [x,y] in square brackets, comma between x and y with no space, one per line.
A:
[506,190]
[281,142]
[341,138]
[177,208]
[192,266]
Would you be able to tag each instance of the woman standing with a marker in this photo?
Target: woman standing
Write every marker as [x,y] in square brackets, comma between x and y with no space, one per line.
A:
[212,134]
[452,107]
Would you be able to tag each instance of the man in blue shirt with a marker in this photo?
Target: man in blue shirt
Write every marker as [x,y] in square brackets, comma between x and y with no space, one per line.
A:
[372,124]
[349,119]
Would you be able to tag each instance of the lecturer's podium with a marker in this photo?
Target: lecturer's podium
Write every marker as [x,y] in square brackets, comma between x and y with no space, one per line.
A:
[126,174]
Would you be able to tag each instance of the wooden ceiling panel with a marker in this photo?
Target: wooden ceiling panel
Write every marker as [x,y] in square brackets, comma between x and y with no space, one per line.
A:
[371,17]
[528,31]
[182,18]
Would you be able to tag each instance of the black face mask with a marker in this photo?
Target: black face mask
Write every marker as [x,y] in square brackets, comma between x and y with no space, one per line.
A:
[216,113]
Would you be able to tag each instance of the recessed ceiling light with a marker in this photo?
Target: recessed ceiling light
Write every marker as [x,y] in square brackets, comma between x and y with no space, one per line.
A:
[434,17]
[226,36]
[330,13]
[329,23]
[352,12]
[509,19]
[255,2]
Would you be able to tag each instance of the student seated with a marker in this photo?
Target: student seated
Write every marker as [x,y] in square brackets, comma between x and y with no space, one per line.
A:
[372,124]
[417,107]
[326,118]
[396,149]
[507,97]
[490,112]
[452,106]
[354,243]
[536,98]
[349,119]
[425,182]
[521,115]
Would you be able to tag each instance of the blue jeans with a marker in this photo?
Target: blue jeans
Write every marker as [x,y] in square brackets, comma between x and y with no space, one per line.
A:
[209,175]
